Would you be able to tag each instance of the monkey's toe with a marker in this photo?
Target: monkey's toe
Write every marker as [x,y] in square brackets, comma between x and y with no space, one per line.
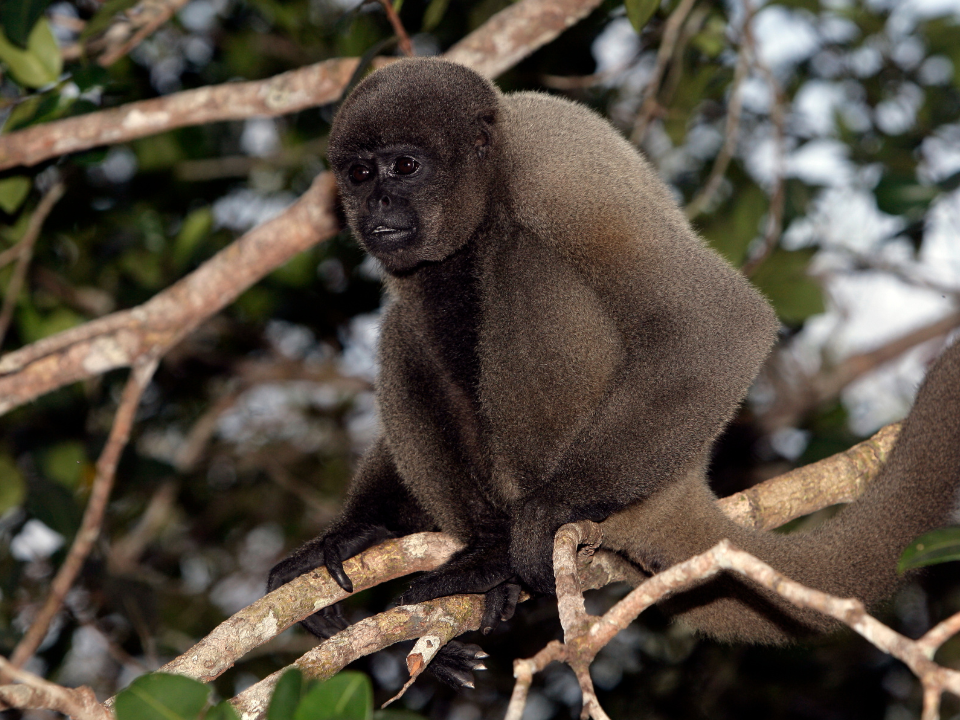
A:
[456,663]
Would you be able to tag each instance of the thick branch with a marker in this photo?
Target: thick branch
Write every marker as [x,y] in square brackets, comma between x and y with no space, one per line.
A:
[837,479]
[288,605]
[288,92]
[119,339]
[502,41]
[367,636]
[516,32]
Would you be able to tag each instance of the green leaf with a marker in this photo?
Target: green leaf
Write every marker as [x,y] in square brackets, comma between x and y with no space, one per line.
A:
[160,696]
[640,11]
[65,462]
[40,63]
[298,271]
[90,76]
[34,325]
[13,191]
[22,114]
[196,226]
[17,17]
[54,506]
[811,5]
[286,695]
[783,278]
[221,711]
[899,194]
[932,548]
[13,490]
[951,183]
[731,230]
[434,14]
[345,696]
[103,18]
[712,40]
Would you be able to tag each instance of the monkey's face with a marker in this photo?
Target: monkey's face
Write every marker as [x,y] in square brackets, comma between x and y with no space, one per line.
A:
[413,149]
[391,203]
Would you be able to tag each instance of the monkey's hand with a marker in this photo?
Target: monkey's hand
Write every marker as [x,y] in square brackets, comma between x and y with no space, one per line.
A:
[329,551]
[479,569]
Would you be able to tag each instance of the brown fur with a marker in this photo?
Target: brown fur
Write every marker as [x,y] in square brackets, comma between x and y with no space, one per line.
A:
[559,344]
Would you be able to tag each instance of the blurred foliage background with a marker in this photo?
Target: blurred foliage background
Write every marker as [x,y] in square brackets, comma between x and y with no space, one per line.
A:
[840,194]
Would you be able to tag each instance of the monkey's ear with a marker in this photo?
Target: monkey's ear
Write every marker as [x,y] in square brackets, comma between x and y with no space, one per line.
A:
[484,139]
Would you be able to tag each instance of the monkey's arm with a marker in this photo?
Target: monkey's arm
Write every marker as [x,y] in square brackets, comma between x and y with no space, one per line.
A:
[694,334]
[377,507]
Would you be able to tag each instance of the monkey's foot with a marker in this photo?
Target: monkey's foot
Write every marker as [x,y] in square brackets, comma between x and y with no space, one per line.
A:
[456,662]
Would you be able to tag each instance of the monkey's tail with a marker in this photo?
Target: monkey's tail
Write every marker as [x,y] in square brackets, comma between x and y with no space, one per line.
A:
[854,554]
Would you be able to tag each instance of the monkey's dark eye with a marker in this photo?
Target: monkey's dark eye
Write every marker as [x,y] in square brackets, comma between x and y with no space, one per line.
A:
[405,166]
[359,173]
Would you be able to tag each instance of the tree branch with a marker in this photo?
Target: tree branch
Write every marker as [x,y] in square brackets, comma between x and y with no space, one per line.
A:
[585,635]
[516,32]
[24,253]
[34,692]
[839,478]
[119,339]
[806,393]
[93,515]
[649,106]
[497,45]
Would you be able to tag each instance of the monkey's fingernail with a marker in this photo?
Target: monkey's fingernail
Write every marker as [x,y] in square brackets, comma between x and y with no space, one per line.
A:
[487,630]
[479,666]
[480,654]
[469,684]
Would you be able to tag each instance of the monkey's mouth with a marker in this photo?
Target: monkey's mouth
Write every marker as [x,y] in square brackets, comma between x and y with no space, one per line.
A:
[385,238]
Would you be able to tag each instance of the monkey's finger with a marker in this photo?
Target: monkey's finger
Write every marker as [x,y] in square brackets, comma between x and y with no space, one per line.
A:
[334,565]
[494,607]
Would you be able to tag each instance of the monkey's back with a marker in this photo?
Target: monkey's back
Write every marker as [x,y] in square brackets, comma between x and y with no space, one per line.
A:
[574,176]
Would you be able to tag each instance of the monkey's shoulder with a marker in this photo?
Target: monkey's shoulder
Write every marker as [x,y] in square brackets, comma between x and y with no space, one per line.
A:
[575,182]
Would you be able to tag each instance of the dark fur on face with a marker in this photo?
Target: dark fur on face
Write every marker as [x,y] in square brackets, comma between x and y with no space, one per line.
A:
[560,345]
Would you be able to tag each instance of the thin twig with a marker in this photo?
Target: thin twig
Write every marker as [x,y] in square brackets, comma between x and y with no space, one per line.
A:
[802,395]
[524,670]
[79,703]
[10,254]
[938,635]
[93,515]
[649,106]
[731,132]
[403,40]
[778,196]
[691,28]
[587,641]
[25,254]
[146,17]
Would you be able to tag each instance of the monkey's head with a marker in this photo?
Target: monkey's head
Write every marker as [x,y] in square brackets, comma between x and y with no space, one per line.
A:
[414,152]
